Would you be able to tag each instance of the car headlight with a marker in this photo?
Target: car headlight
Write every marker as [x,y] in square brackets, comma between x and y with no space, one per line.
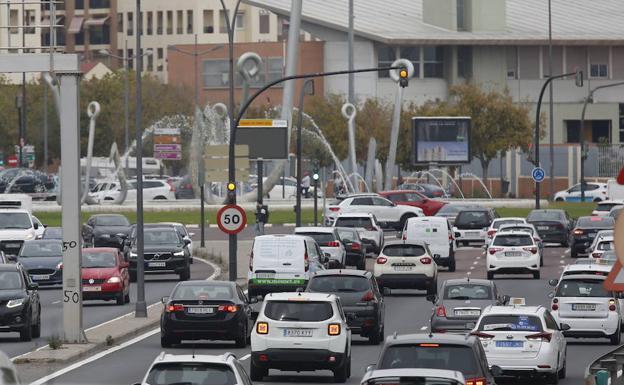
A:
[104,235]
[133,255]
[30,236]
[114,280]
[179,254]
[15,303]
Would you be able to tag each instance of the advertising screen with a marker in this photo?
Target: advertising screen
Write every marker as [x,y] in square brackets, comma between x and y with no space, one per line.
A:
[441,139]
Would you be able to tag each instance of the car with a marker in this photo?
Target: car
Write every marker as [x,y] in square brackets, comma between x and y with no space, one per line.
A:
[553,225]
[498,222]
[16,226]
[462,353]
[22,308]
[461,302]
[603,208]
[407,265]
[450,211]
[153,189]
[524,341]
[529,228]
[585,231]
[361,299]
[211,310]
[414,198]
[594,192]
[355,247]
[471,225]
[367,226]
[301,332]
[3,258]
[387,213]
[183,187]
[24,180]
[329,241]
[224,369]
[436,231]
[105,275]
[598,248]
[106,230]
[513,252]
[43,261]
[285,188]
[581,301]
[183,231]
[52,233]
[179,227]
[281,263]
[40,227]
[413,376]
[165,251]
[8,371]
[428,190]
[615,211]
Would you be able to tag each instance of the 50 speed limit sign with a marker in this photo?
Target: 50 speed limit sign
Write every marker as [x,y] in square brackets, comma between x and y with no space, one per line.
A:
[231,219]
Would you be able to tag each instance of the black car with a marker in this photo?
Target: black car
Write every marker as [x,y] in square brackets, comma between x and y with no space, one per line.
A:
[52,233]
[450,211]
[362,302]
[43,261]
[471,224]
[20,309]
[552,225]
[24,180]
[184,188]
[214,310]
[106,230]
[585,231]
[180,228]
[356,249]
[164,251]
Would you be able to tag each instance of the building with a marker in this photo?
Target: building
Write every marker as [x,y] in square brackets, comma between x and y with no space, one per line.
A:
[20,28]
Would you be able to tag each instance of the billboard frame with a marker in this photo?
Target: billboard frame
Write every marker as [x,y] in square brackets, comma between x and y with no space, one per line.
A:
[258,128]
[415,140]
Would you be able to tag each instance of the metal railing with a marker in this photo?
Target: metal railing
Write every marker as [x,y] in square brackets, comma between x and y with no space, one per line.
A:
[607,369]
[610,159]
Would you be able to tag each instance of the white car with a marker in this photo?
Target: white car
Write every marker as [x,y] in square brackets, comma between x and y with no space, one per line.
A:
[387,213]
[16,226]
[581,301]
[367,227]
[603,208]
[224,369]
[513,252]
[329,241]
[413,376]
[523,339]
[153,189]
[498,222]
[594,192]
[301,332]
[407,265]
[40,227]
[604,244]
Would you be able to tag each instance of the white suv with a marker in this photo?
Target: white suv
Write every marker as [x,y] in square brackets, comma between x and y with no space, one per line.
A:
[367,227]
[301,332]
[16,226]
[523,340]
[513,252]
[407,265]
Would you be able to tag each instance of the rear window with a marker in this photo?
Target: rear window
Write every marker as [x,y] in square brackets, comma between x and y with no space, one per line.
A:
[431,356]
[595,222]
[510,323]
[112,220]
[518,228]
[304,311]
[513,240]
[339,284]
[449,209]
[203,292]
[191,373]
[605,206]
[466,292]
[321,238]
[411,380]
[404,251]
[348,235]
[498,224]
[605,246]
[582,288]
[545,216]
[472,217]
[354,222]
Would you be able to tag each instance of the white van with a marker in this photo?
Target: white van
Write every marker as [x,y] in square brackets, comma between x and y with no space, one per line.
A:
[16,222]
[281,263]
[437,233]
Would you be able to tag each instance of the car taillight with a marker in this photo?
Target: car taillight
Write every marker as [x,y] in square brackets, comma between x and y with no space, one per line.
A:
[306,261]
[612,306]
[404,237]
[440,311]
[532,249]
[368,296]
[334,209]
[228,308]
[577,232]
[174,308]
[596,255]
[382,260]
[171,188]
[476,381]
[451,237]
[491,233]
[251,261]
[262,328]
[426,260]
[355,246]
[333,329]
[540,336]
[333,244]
[555,303]
[482,335]
[494,250]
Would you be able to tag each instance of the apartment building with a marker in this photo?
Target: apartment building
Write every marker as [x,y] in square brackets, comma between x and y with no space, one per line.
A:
[19,28]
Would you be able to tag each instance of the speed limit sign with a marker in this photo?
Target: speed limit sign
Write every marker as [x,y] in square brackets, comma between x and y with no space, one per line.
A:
[231,219]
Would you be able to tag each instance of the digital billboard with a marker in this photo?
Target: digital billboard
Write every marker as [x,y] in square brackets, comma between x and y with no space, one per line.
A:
[438,139]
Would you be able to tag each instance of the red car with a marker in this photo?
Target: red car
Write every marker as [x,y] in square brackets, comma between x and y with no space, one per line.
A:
[105,275]
[413,198]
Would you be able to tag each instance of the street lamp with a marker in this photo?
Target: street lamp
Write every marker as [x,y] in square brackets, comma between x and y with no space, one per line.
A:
[125,60]
[589,98]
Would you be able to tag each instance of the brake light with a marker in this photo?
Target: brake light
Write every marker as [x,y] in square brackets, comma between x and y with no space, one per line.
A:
[404,237]
[612,306]
[532,249]
[333,244]
[578,232]
[428,345]
[189,186]
[440,311]
[540,336]
[306,261]
[482,335]
[491,232]
[355,246]
[251,261]
[451,237]
[368,296]
[333,329]
[382,260]
[334,209]
[174,308]
[596,255]
[425,260]
[476,381]
[262,328]
[494,250]
[228,308]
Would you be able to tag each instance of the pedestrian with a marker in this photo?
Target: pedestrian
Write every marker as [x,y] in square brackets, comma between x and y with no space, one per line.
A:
[262,217]
[305,184]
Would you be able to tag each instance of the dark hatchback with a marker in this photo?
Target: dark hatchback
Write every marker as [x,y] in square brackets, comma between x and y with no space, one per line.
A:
[552,225]
[106,230]
[361,299]
[164,251]
[43,261]
[356,249]
[210,310]
[585,231]
[20,309]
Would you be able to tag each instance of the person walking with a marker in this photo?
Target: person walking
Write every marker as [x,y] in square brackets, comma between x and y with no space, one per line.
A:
[262,217]
[305,185]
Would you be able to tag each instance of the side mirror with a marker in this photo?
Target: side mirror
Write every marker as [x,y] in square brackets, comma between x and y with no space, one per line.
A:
[564,327]
[187,241]
[496,371]
[253,300]
[370,368]
[553,282]
[35,225]
[457,234]
[45,225]
[432,298]
[164,299]
[551,295]
[33,286]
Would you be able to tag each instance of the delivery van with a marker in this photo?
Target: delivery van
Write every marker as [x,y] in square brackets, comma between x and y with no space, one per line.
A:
[437,233]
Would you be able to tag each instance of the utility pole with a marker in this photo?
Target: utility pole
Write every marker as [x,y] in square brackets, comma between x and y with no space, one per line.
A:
[351,75]
[551,118]
[23,115]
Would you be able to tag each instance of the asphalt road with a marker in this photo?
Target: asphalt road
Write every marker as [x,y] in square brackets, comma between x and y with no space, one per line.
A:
[94,312]
[406,312]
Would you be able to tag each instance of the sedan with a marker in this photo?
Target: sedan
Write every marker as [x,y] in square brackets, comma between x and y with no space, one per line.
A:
[106,230]
[22,310]
[414,198]
[105,275]
[552,225]
[585,232]
[43,261]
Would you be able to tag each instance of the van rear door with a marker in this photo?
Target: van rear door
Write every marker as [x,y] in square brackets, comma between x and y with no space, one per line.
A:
[433,231]
[279,257]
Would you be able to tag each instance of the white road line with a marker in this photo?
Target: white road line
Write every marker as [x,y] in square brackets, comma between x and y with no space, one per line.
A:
[471,267]
[95,357]
[245,357]
[478,258]
[562,262]
[475,262]
[563,256]
[468,273]
[424,327]
[56,302]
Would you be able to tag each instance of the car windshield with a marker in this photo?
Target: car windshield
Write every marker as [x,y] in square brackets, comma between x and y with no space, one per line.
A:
[41,249]
[92,259]
[15,221]
[513,240]
[161,237]
[321,238]
[10,280]
[53,233]
[467,291]
[112,220]
[303,311]
[595,222]
[535,216]
[472,217]
[203,292]
[190,373]
[517,228]
[404,250]
[411,380]
[348,235]
[339,284]
[582,288]
[510,323]
[605,245]
[499,223]
[431,356]
[354,222]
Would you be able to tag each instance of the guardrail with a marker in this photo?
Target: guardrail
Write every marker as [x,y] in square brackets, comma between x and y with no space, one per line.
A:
[608,369]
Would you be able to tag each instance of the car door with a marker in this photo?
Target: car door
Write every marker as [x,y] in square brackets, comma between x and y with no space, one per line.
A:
[384,210]
[359,205]
[33,296]
[381,305]
[560,340]
[574,193]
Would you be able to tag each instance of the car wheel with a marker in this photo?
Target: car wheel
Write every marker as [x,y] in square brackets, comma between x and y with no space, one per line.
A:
[451,266]
[257,373]
[615,338]
[552,378]
[92,241]
[562,372]
[120,298]
[167,341]
[490,275]
[541,261]
[342,373]
[433,288]
[186,274]
[26,332]
[536,275]
[127,297]
[402,221]
[241,340]
[36,330]
[573,253]
[597,200]
[377,336]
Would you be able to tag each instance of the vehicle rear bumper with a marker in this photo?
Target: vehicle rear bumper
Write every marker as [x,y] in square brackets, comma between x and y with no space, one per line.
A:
[255,288]
[298,359]
[591,327]
[202,329]
[405,281]
[364,321]
[553,236]
[453,325]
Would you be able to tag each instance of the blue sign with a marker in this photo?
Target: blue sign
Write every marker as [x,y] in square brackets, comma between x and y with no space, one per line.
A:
[538,174]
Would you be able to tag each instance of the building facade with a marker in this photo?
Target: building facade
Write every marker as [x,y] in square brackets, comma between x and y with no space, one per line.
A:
[20,31]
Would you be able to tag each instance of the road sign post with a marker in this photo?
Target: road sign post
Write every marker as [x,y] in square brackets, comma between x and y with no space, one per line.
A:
[231,219]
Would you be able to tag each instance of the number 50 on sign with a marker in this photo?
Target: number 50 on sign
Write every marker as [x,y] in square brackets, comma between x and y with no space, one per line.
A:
[231,219]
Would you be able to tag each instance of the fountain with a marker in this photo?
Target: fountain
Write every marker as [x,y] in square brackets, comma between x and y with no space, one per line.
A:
[359,177]
[469,174]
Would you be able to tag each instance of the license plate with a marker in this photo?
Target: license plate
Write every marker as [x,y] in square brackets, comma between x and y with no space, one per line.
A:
[542,227]
[12,245]
[509,344]
[265,275]
[156,264]
[472,233]
[467,313]
[92,288]
[513,254]
[583,307]
[402,268]
[297,332]
[38,277]
[200,310]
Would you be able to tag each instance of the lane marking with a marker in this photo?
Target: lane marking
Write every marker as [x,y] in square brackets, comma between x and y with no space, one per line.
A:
[475,262]
[562,262]
[245,357]
[478,258]
[468,273]
[563,257]
[56,302]
[472,267]
[424,327]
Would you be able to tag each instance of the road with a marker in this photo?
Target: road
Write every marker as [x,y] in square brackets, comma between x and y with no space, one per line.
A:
[406,312]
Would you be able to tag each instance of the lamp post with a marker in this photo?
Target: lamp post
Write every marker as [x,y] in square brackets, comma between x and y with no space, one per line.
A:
[306,88]
[588,99]
[315,178]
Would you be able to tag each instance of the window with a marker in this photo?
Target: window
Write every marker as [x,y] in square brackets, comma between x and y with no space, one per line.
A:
[573,129]
[240,20]
[461,15]
[180,23]
[120,22]
[150,22]
[130,30]
[159,61]
[79,4]
[222,22]
[169,22]
[598,62]
[382,202]
[14,20]
[512,62]
[99,34]
[189,21]
[528,62]
[464,62]
[130,58]
[208,21]
[29,19]
[299,311]
[433,62]
[386,55]
[99,4]
[216,73]
[264,21]
[339,283]
[527,323]
[362,202]
[441,356]
[412,54]
[404,250]
[159,23]
[598,71]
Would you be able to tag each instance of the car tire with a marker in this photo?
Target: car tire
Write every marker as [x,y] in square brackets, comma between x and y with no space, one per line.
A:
[36,329]
[490,275]
[257,373]
[573,253]
[558,199]
[562,372]
[120,298]
[377,336]
[167,341]
[26,333]
[451,266]
[92,241]
[616,337]
[541,260]
[433,288]
[552,378]
[186,274]
[342,373]
[596,200]
[241,340]
[402,221]
[536,275]
[361,265]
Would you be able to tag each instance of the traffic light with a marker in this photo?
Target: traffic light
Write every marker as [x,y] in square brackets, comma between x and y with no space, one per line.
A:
[403,75]
[315,176]
[231,192]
